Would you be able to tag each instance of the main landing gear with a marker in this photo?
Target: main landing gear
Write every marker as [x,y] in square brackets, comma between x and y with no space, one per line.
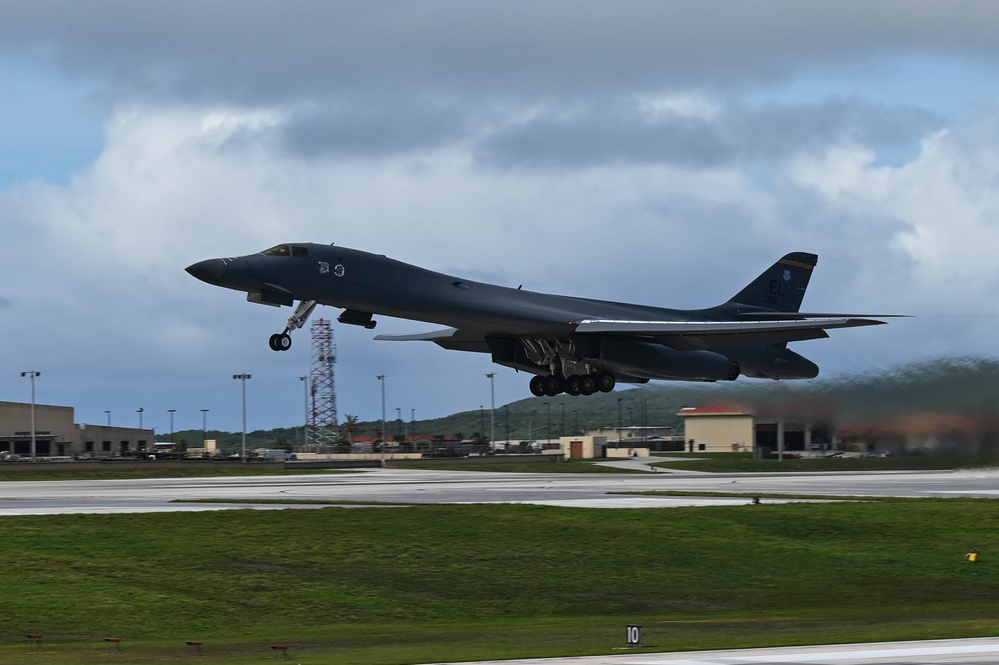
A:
[574,384]
[282,341]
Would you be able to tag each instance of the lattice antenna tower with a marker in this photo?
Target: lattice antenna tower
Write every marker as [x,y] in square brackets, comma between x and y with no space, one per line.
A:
[323,425]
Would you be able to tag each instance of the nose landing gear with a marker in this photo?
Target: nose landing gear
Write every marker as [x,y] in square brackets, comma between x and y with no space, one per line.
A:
[282,341]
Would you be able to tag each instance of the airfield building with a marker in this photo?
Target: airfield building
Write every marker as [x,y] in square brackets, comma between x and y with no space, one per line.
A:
[58,435]
[653,437]
[729,429]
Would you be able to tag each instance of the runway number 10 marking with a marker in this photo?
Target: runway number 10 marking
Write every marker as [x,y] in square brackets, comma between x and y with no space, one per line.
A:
[634,636]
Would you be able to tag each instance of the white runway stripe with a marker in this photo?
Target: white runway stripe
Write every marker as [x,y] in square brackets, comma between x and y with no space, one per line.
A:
[854,654]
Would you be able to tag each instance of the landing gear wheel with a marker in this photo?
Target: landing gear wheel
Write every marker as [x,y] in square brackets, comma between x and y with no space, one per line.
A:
[572,385]
[587,384]
[538,386]
[553,385]
[605,382]
[280,341]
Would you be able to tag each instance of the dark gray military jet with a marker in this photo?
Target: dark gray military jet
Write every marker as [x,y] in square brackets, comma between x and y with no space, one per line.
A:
[572,345]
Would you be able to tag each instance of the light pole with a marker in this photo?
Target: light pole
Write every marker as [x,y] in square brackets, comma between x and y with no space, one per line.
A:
[305,423]
[381,377]
[204,427]
[412,426]
[398,417]
[618,423]
[243,378]
[492,406]
[139,411]
[108,413]
[506,412]
[645,423]
[171,412]
[562,431]
[31,374]
[548,429]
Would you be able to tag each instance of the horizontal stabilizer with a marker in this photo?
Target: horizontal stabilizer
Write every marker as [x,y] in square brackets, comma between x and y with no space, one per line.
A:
[716,327]
[772,316]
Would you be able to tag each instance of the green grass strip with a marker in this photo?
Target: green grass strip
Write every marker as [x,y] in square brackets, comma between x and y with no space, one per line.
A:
[453,583]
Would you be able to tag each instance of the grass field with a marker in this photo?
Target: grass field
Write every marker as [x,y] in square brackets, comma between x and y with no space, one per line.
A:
[450,583]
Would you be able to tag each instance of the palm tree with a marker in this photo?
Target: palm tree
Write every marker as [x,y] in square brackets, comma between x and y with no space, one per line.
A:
[351,426]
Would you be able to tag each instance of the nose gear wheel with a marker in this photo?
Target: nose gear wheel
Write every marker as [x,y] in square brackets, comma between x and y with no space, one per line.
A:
[282,341]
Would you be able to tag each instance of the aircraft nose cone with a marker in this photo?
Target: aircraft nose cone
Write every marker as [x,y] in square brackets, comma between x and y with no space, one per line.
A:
[210,270]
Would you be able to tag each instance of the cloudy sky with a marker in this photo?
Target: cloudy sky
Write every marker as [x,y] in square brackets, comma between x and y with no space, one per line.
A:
[654,152]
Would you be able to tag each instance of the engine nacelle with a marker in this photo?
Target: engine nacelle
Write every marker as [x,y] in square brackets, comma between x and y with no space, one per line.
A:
[356,318]
[774,362]
[655,361]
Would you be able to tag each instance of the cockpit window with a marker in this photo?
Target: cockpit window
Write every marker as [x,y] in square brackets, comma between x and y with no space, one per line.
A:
[286,250]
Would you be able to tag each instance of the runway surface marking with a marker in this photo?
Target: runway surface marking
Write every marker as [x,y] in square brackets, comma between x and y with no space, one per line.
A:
[831,656]
[973,651]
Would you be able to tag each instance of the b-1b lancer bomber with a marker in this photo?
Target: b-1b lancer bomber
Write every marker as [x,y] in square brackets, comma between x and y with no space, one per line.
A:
[573,345]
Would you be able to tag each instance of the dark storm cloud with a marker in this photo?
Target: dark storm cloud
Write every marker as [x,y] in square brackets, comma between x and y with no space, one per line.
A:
[394,77]
[266,51]
[587,135]
[372,130]
[777,131]
[734,135]
[600,135]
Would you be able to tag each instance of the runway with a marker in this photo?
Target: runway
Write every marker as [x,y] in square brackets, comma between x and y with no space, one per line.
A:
[984,651]
[420,486]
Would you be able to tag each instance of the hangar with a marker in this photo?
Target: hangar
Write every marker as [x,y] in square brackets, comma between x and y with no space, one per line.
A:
[729,429]
[58,435]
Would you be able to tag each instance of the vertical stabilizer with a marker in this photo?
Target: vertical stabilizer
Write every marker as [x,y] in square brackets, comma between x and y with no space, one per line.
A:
[782,286]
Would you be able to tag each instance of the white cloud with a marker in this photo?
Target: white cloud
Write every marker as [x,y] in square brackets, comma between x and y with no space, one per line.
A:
[844,174]
[688,106]
[945,203]
[101,258]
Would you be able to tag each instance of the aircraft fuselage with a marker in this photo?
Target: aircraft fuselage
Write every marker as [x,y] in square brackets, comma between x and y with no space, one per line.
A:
[576,345]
